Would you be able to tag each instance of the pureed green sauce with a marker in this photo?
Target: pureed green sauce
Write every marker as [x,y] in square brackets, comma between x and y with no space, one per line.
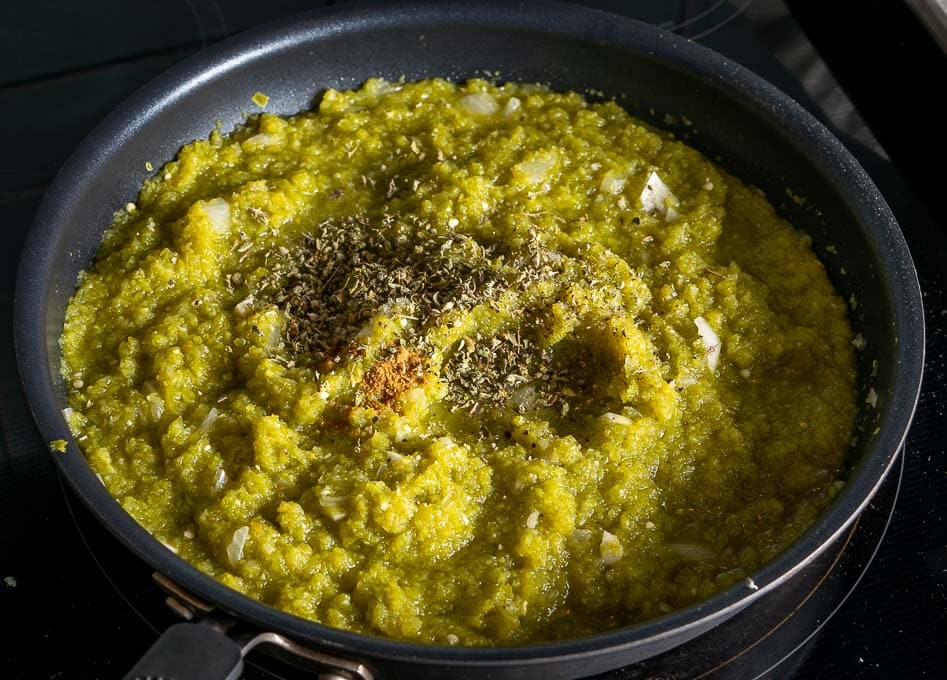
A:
[461,364]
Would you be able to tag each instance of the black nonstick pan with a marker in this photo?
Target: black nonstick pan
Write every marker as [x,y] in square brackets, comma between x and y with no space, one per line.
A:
[751,128]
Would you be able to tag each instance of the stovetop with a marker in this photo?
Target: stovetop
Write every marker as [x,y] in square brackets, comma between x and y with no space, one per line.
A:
[77,605]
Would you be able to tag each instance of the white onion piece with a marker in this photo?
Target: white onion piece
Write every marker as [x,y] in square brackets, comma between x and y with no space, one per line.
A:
[524,397]
[657,197]
[512,106]
[616,418]
[479,103]
[209,419]
[403,430]
[273,336]
[218,211]
[384,86]
[260,141]
[612,183]
[235,548]
[244,307]
[220,479]
[333,506]
[872,398]
[533,520]
[711,341]
[157,406]
[687,381]
[535,171]
[67,413]
[693,552]
[610,549]
[415,398]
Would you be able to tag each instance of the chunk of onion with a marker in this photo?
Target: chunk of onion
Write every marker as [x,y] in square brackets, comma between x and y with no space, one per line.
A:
[156,404]
[220,479]
[616,418]
[535,171]
[657,197]
[711,340]
[480,103]
[209,419]
[610,549]
[333,505]
[524,397]
[384,86]
[273,336]
[612,183]
[244,307]
[533,520]
[235,547]
[218,211]
[512,106]
[687,381]
[260,141]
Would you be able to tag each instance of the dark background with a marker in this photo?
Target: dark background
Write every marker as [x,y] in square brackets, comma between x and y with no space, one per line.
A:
[868,69]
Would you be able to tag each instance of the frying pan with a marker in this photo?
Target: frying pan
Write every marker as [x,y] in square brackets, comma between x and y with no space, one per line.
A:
[751,128]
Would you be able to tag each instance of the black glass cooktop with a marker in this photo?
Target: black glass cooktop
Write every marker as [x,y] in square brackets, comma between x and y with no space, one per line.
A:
[78,605]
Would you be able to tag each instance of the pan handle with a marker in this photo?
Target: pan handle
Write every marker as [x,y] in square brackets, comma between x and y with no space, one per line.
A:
[190,651]
[202,649]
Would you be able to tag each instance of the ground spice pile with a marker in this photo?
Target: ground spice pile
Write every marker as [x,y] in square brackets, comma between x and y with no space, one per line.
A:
[389,378]
[349,269]
[506,369]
